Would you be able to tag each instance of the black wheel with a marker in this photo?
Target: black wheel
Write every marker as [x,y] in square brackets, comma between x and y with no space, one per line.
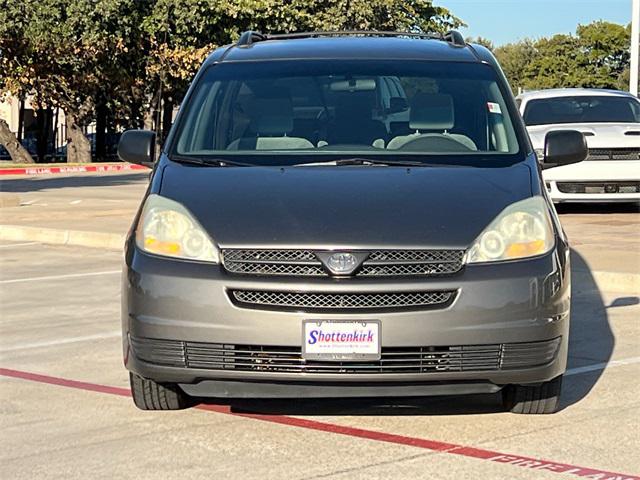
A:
[150,395]
[540,399]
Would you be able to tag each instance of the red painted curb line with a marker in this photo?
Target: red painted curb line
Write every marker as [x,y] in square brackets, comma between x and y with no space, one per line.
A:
[75,169]
[433,445]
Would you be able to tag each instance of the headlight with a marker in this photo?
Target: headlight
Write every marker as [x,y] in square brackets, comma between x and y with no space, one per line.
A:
[167,228]
[522,230]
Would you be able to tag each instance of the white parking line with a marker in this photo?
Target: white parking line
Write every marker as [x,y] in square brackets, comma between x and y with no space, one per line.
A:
[602,366]
[18,244]
[57,277]
[62,341]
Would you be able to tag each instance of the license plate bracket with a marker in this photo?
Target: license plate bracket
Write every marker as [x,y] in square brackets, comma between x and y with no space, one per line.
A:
[341,340]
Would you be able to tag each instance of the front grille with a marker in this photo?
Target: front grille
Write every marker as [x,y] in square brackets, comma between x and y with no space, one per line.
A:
[379,263]
[598,187]
[162,352]
[631,153]
[309,301]
[279,359]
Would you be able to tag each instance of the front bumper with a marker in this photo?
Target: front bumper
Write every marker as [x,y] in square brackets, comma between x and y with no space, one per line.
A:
[566,183]
[558,196]
[509,303]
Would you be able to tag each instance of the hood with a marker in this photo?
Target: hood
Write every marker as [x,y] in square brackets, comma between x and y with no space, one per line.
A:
[598,135]
[345,207]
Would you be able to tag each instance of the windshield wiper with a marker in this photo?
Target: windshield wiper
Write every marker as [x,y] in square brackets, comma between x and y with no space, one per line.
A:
[209,162]
[364,161]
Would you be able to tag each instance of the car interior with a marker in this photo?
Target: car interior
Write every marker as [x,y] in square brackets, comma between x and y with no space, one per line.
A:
[347,113]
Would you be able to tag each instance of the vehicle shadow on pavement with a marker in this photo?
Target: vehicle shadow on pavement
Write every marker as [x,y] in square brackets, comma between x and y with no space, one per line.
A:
[34,184]
[591,340]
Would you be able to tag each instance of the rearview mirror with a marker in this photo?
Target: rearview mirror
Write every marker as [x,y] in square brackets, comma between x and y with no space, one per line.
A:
[137,146]
[564,147]
[353,85]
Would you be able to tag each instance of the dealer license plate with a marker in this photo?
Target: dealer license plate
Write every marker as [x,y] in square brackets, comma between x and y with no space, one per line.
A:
[341,340]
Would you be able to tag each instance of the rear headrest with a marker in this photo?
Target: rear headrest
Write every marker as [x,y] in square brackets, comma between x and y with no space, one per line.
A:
[272,114]
[431,112]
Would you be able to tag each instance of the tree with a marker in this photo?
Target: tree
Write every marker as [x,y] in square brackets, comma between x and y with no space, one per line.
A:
[596,57]
[69,54]
[16,151]
[604,53]
[485,42]
[15,80]
[514,59]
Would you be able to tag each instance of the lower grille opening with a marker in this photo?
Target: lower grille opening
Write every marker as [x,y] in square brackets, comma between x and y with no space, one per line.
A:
[314,302]
[599,187]
[409,360]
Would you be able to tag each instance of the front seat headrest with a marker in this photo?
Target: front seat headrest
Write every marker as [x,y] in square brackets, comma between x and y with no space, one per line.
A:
[431,111]
[272,114]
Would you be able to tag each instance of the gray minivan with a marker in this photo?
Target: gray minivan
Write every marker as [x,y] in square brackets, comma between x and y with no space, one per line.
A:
[347,214]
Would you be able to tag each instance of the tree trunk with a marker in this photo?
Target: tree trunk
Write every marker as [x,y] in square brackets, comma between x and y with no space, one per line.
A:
[78,145]
[43,123]
[167,117]
[101,131]
[17,152]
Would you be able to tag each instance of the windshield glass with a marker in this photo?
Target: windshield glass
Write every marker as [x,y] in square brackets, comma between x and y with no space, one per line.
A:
[582,109]
[346,107]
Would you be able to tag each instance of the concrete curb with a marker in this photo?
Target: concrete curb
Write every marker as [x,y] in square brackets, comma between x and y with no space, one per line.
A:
[95,168]
[583,280]
[110,241]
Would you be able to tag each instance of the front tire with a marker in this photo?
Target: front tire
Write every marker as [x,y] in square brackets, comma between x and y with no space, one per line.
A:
[150,395]
[533,400]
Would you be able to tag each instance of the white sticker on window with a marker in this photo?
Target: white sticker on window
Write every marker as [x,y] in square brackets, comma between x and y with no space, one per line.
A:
[494,107]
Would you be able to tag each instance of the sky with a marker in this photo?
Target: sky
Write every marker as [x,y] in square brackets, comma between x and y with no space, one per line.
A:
[504,21]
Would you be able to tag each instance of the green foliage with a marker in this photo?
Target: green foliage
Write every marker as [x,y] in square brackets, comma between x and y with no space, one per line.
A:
[181,34]
[596,57]
[485,42]
[515,59]
[67,53]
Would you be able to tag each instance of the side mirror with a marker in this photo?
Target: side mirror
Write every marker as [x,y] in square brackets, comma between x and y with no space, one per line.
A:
[397,105]
[137,146]
[564,147]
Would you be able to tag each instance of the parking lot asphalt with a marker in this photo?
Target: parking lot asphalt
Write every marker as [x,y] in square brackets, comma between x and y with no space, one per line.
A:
[65,411]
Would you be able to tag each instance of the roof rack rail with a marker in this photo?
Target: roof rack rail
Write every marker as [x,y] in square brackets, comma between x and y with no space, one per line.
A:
[340,33]
[455,37]
[248,38]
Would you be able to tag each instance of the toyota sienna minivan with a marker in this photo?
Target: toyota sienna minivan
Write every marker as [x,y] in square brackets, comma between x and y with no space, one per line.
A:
[347,214]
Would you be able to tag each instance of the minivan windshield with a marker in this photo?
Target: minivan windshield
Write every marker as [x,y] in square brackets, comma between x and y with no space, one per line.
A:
[346,107]
[582,109]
